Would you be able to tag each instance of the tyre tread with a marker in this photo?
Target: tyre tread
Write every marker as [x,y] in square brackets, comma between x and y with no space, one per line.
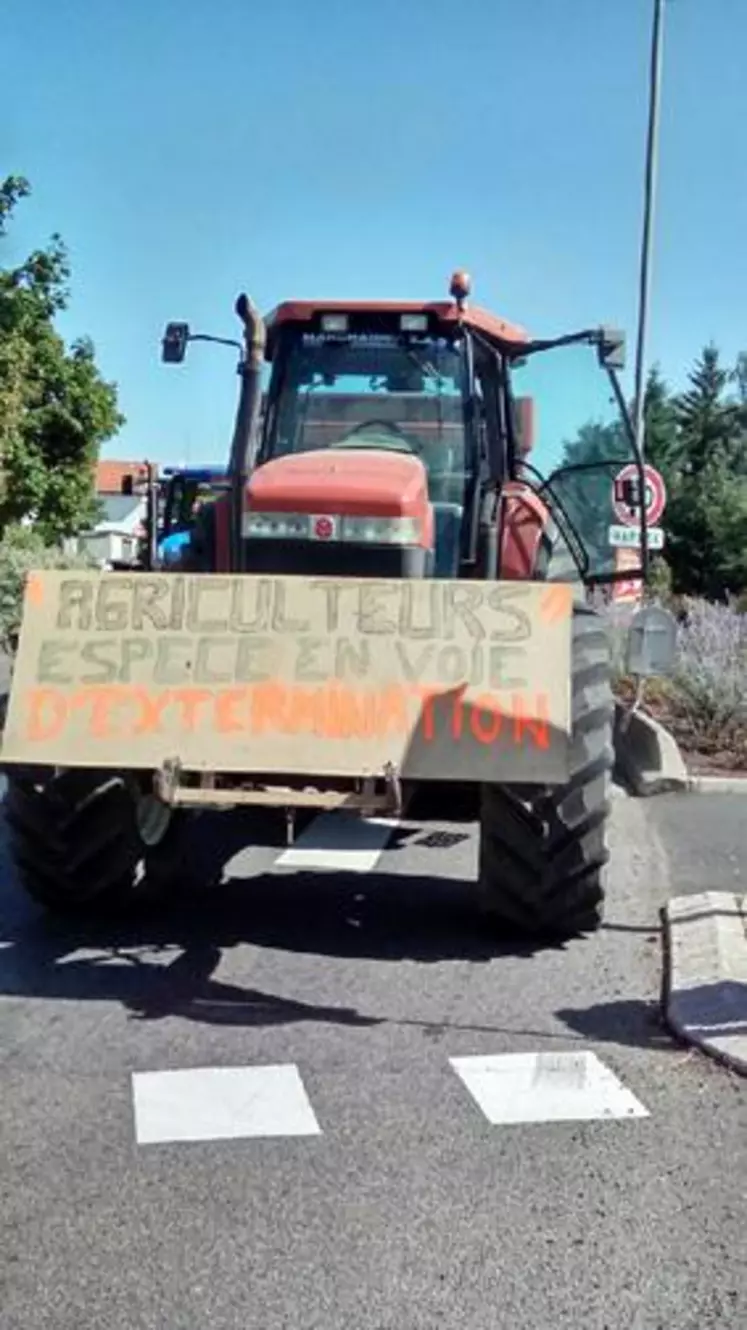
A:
[543,850]
[74,839]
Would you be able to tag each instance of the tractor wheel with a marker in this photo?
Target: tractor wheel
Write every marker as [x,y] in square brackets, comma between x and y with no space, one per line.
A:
[85,842]
[543,849]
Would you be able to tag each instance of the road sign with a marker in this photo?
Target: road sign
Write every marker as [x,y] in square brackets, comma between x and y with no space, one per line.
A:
[629,590]
[652,642]
[629,537]
[626,499]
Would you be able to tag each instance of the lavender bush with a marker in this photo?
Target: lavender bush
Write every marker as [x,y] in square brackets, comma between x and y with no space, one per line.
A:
[710,678]
[704,699]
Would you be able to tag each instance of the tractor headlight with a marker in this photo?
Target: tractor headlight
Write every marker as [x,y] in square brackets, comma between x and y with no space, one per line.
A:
[277,526]
[331,528]
[380,530]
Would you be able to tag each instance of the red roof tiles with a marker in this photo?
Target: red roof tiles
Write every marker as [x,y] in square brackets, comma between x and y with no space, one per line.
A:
[109,475]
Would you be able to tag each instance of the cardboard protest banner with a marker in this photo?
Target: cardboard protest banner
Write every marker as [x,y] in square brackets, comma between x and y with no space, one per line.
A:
[321,676]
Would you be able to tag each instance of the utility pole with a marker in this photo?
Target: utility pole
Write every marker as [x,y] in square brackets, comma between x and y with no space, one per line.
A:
[649,202]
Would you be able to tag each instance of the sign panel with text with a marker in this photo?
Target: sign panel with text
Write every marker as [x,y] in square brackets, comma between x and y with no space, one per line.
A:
[446,680]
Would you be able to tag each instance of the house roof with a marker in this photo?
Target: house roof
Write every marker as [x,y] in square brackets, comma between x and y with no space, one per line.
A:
[120,510]
[110,474]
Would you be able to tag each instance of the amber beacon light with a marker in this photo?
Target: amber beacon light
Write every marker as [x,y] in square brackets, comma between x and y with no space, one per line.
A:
[461,286]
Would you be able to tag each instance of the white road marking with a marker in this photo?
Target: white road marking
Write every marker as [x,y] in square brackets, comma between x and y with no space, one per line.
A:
[546,1087]
[339,843]
[221,1103]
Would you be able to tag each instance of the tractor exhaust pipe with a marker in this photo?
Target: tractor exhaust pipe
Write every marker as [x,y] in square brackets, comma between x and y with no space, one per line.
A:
[244,442]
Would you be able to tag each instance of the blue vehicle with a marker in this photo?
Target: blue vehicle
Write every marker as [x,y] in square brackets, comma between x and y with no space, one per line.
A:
[183,491]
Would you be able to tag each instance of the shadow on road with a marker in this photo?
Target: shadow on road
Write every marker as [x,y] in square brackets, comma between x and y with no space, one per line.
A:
[164,963]
[630,1022]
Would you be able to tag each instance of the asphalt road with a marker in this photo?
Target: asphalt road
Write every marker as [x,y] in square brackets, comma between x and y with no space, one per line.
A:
[706,840]
[387,1200]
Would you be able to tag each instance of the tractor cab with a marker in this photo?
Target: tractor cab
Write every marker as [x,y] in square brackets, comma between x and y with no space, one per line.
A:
[397,439]
[372,458]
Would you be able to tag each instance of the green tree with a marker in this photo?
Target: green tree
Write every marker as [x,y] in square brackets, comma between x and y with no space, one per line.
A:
[661,444]
[706,518]
[707,535]
[709,423]
[740,379]
[55,408]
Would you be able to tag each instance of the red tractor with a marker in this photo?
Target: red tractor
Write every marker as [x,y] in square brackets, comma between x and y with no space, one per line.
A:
[387,597]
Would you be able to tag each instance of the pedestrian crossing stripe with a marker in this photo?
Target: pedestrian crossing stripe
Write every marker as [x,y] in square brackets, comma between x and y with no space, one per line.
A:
[337,843]
[230,1103]
[221,1103]
[521,1088]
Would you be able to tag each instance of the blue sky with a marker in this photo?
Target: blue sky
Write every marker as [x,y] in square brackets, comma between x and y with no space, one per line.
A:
[347,148]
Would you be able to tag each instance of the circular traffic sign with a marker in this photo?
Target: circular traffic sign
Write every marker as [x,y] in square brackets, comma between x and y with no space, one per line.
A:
[626,500]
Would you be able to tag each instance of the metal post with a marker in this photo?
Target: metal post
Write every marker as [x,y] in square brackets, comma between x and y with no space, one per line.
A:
[649,200]
[152,516]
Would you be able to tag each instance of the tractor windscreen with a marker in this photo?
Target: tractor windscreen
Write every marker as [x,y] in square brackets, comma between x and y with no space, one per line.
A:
[383,392]
[583,448]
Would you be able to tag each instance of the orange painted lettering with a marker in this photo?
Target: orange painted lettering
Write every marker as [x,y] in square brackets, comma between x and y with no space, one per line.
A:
[334,716]
[358,710]
[306,711]
[268,707]
[101,701]
[457,718]
[152,707]
[350,714]
[427,720]
[485,720]
[190,700]
[535,721]
[226,702]
[47,713]
[391,711]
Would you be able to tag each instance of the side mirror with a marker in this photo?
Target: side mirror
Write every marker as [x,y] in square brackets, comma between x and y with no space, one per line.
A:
[611,348]
[174,343]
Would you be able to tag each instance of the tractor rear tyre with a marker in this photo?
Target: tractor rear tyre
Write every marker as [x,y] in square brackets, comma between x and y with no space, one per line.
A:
[543,849]
[87,842]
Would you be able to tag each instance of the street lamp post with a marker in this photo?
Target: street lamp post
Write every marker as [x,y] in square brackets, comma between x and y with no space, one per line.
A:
[649,201]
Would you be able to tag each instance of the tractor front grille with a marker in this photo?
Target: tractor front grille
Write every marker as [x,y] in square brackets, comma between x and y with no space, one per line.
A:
[334,559]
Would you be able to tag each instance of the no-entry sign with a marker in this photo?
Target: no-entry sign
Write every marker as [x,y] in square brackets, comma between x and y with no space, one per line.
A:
[626,499]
